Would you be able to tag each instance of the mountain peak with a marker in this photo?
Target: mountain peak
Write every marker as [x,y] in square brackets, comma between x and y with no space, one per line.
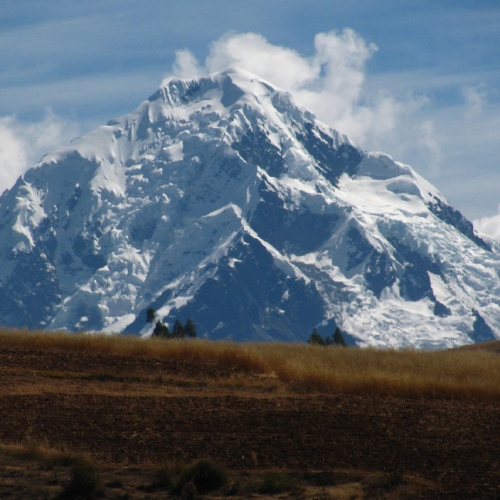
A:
[221,200]
[233,83]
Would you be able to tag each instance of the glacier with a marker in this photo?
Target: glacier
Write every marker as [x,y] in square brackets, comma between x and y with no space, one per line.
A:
[221,200]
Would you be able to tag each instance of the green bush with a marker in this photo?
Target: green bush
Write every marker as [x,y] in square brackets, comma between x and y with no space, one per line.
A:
[163,479]
[189,491]
[82,484]
[276,482]
[206,476]
[321,478]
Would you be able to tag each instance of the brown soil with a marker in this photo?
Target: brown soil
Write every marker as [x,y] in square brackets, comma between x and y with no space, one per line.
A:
[134,414]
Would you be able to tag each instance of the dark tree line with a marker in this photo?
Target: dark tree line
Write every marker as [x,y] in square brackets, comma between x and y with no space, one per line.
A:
[179,331]
[337,339]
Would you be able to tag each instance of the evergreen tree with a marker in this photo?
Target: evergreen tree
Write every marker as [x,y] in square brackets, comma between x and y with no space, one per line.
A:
[178,331]
[338,338]
[150,315]
[316,338]
[190,328]
[161,330]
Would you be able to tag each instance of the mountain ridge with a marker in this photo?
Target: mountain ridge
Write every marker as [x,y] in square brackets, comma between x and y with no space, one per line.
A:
[219,199]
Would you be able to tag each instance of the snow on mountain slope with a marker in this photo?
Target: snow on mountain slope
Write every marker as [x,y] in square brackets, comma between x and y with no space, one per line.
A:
[219,199]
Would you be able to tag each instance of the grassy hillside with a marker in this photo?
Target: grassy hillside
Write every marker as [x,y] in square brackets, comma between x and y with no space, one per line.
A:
[127,418]
[469,372]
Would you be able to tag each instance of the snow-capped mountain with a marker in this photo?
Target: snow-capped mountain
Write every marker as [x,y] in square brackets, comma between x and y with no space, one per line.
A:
[220,200]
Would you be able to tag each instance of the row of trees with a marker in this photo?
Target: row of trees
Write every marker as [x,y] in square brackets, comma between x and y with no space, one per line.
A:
[179,331]
[337,339]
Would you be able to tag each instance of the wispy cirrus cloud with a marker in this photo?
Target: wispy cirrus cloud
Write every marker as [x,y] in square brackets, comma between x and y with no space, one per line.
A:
[475,98]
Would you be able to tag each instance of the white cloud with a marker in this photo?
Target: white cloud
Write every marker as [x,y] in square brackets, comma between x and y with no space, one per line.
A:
[489,225]
[402,113]
[22,144]
[281,66]
[330,82]
[186,66]
[475,99]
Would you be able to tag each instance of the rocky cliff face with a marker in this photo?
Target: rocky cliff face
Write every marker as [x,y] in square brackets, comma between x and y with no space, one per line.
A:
[220,200]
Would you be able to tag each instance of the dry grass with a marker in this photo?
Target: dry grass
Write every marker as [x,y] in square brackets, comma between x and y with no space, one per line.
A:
[305,368]
[407,373]
[42,452]
[35,470]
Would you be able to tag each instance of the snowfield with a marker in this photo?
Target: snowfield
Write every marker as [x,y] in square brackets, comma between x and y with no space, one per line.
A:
[220,200]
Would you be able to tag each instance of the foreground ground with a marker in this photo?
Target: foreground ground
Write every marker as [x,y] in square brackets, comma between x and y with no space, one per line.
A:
[131,416]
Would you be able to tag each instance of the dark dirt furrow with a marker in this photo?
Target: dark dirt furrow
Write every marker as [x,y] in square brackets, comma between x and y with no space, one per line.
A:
[452,444]
[379,433]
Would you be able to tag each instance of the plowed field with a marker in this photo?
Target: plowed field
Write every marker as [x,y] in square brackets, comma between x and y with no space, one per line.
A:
[132,411]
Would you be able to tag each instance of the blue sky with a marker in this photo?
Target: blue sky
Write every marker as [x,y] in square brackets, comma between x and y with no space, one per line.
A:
[417,80]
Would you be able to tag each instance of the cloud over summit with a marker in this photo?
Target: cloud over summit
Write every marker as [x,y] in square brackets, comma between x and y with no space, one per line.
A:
[330,82]
[441,118]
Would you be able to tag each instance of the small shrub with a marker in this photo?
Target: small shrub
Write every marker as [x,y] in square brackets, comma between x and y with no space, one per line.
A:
[163,479]
[233,489]
[322,478]
[276,482]
[83,483]
[189,491]
[206,476]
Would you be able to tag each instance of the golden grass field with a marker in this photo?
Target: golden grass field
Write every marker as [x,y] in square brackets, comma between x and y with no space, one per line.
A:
[310,421]
[458,373]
